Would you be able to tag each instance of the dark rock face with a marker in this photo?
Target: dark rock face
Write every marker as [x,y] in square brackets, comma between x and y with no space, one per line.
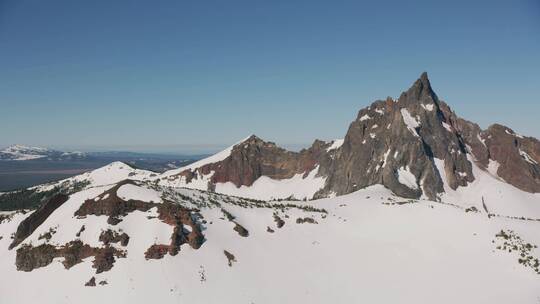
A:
[111,205]
[241,230]
[180,217]
[34,220]
[91,282]
[413,132]
[518,157]
[29,257]
[279,221]
[402,135]
[156,251]
[230,257]
[109,236]
[308,220]
[410,145]
[254,158]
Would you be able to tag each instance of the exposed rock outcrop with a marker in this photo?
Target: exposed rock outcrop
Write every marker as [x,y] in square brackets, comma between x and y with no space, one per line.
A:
[395,142]
[30,257]
[241,230]
[185,227]
[230,257]
[254,158]
[308,220]
[34,220]
[518,157]
[109,236]
[109,204]
[91,282]
[412,145]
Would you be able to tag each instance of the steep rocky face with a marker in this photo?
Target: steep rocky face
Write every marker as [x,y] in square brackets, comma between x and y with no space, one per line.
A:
[395,142]
[254,158]
[518,157]
[415,146]
[29,257]
[32,222]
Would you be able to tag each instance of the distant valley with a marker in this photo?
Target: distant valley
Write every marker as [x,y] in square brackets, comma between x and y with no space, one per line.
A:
[22,166]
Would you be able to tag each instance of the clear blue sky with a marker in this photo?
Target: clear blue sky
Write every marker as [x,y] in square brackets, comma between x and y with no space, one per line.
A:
[170,75]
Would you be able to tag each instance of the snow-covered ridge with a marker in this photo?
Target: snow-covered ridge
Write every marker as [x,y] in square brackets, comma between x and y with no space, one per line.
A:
[209,160]
[379,240]
[335,144]
[22,152]
[110,174]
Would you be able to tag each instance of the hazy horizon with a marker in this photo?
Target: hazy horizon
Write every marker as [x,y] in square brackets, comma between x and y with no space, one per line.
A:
[172,149]
[197,77]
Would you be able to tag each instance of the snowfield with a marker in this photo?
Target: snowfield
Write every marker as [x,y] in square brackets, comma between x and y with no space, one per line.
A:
[370,246]
[266,188]
[367,246]
[410,121]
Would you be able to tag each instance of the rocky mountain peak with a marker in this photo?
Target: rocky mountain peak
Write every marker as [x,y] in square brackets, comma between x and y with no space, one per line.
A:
[420,92]
[415,146]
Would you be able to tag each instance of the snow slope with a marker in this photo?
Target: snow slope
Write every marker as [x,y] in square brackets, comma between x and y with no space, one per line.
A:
[110,174]
[370,247]
[209,160]
[266,188]
[499,197]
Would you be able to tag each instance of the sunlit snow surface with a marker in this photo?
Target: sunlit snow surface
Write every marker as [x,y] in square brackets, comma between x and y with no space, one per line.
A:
[363,251]
[335,144]
[266,188]
[410,121]
[368,248]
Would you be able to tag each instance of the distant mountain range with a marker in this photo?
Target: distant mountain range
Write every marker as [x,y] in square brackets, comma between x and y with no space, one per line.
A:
[21,152]
[23,166]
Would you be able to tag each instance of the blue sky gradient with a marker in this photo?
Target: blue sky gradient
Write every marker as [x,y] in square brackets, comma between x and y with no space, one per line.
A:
[185,76]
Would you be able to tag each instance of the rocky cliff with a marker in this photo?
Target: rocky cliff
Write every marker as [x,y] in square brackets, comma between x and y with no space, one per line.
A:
[413,145]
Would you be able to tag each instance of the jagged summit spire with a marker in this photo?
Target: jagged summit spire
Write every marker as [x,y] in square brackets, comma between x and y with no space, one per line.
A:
[421,89]
[424,78]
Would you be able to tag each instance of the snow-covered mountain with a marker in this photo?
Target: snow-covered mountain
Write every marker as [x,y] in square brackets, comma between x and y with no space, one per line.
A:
[21,152]
[413,205]
[415,146]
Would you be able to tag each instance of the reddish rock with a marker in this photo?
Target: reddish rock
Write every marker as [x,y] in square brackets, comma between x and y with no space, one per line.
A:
[156,251]
[518,157]
[387,137]
[29,258]
[109,236]
[254,158]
